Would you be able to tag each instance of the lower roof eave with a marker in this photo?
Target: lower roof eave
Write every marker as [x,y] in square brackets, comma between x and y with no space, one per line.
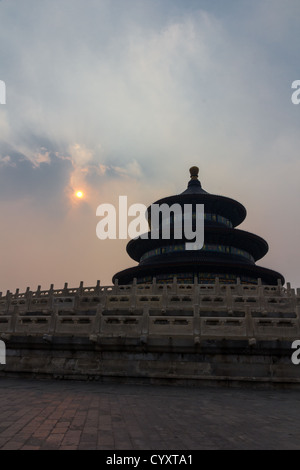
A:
[268,276]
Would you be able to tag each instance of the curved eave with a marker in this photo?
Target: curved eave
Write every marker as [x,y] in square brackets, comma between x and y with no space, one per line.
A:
[253,244]
[268,276]
[221,205]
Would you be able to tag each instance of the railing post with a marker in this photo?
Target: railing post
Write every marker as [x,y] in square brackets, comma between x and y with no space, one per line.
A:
[13,320]
[145,325]
[229,301]
[197,321]
[249,326]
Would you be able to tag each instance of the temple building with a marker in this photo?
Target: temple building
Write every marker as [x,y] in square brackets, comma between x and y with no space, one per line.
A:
[194,314]
[228,254]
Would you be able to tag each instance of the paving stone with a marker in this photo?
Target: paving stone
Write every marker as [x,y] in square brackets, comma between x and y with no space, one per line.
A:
[46,414]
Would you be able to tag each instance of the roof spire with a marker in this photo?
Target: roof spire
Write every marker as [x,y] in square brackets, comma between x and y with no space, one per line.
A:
[194,171]
[194,185]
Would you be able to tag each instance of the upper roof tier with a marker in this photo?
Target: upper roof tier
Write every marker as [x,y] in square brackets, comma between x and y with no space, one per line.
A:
[213,204]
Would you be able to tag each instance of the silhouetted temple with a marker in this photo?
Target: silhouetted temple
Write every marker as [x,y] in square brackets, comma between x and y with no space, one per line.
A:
[196,316]
[228,253]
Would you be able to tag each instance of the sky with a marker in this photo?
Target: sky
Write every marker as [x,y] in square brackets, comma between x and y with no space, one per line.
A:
[121,97]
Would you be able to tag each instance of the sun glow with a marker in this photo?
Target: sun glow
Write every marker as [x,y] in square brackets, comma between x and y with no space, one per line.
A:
[79,194]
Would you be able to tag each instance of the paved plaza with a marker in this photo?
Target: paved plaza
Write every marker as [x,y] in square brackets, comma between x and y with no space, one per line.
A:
[46,414]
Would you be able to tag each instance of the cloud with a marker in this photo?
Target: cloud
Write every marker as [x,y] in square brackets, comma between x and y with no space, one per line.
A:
[122,97]
[41,181]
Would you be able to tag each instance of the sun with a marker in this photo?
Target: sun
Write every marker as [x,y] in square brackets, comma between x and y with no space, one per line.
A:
[79,194]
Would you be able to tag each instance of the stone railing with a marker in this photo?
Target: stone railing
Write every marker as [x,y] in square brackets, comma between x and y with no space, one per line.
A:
[143,311]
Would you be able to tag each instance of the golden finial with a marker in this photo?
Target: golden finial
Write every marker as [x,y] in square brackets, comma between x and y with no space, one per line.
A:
[194,171]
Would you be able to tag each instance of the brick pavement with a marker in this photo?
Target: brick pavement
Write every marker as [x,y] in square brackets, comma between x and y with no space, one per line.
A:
[36,414]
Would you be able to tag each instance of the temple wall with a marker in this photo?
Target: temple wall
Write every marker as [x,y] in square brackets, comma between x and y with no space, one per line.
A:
[173,332]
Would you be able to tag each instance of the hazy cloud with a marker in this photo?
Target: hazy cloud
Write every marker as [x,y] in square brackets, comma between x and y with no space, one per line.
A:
[41,181]
[122,97]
